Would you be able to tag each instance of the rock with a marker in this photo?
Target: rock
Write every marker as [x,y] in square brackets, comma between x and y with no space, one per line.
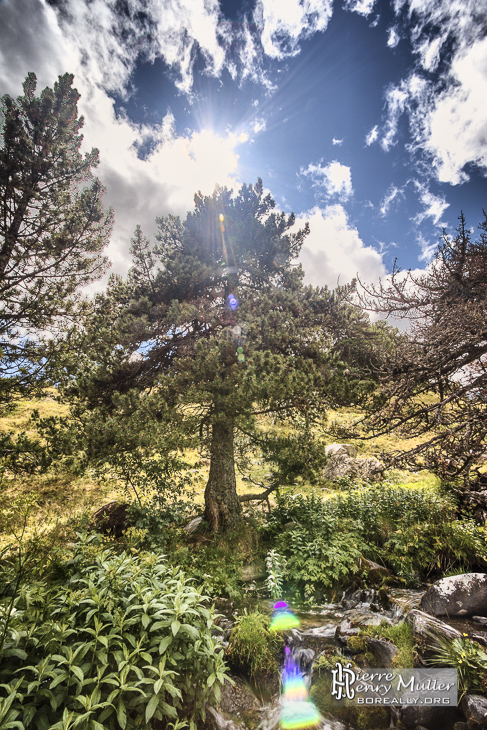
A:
[111,519]
[194,525]
[238,698]
[458,595]
[341,465]
[460,726]
[425,626]
[429,716]
[480,619]
[384,651]
[374,572]
[251,572]
[474,707]
[335,449]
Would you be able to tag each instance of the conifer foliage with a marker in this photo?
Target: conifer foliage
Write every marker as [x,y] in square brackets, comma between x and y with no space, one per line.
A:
[52,226]
[212,329]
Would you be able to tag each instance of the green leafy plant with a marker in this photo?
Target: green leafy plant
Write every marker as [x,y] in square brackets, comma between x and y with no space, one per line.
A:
[252,647]
[401,635]
[465,655]
[276,567]
[123,640]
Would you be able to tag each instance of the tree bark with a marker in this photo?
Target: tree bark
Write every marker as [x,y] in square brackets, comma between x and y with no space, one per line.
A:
[222,505]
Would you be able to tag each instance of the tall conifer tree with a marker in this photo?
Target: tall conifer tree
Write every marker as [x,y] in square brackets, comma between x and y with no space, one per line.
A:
[212,329]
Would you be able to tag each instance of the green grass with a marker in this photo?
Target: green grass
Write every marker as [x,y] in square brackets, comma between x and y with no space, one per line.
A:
[58,501]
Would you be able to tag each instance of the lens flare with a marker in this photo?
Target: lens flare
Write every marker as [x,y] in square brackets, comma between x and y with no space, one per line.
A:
[298,712]
[232,302]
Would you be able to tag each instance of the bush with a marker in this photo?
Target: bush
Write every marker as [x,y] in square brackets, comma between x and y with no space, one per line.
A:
[252,647]
[124,640]
[316,551]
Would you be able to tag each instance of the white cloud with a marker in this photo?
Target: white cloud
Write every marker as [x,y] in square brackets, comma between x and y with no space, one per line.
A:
[455,128]
[258,125]
[362,7]
[334,179]
[433,206]
[334,252]
[138,189]
[393,38]
[392,194]
[287,22]
[446,113]
[337,142]
[427,248]
[372,136]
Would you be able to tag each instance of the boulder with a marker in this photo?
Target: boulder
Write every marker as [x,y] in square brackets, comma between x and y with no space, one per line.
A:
[384,651]
[425,627]
[252,571]
[344,449]
[374,572]
[474,707]
[194,525]
[429,716]
[111,519]
[341,465]
[457,595]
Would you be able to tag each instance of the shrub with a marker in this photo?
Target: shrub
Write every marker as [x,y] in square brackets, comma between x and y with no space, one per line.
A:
[252,647]
[319,553]
[124,640]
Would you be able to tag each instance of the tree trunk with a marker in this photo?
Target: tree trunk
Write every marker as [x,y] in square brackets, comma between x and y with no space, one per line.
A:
[222,506]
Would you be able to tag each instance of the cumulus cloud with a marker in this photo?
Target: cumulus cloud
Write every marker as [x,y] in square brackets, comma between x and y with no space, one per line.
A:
[334,252]
[173,168]
[362,7]
[285,24]
[455,128]
[334,179]
[444,96]
[337,142]
[393,37]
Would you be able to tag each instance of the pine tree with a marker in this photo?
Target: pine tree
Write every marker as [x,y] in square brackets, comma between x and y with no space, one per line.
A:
[52,228]
[212,330]
[434,385]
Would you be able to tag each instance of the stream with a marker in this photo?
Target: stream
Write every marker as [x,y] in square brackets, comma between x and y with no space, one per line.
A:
[254,706]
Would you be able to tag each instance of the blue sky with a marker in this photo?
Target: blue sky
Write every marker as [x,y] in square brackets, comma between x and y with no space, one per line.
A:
[369,119]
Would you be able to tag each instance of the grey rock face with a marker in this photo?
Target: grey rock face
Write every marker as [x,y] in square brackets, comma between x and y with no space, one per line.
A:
[474,707]
[341,465]
[458,595]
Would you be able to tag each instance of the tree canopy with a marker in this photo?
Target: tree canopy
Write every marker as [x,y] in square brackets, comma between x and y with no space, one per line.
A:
[52,227]
[434,384]
[211,330]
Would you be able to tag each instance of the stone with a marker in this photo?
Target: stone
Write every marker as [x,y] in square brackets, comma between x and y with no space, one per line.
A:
[428,716]
[457,595]
[335,449]
[341,465]
[374,572]
[383,651]
[251,572]
[474,707]
[111,519]
[194,525]
[460,726]
[425,626]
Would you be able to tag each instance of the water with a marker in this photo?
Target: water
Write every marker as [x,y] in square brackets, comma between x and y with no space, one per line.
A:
[321,627]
